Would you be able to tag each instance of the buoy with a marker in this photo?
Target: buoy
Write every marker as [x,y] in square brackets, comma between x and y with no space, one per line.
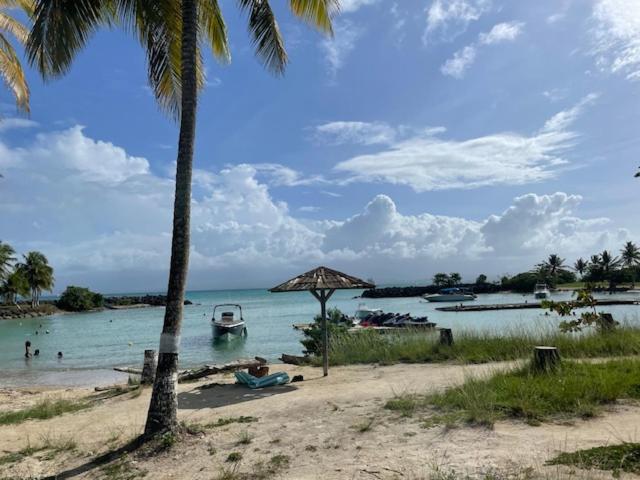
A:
[130,343]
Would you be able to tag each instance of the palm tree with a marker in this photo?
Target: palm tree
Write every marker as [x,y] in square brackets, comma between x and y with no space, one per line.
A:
[14,285]
[630,255]
[171,32]
[551,267]
[609,264]
[6,259]
[38,273]
[10,68]
[580,266]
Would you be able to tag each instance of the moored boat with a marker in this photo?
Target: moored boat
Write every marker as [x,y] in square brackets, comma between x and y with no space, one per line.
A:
[453,294]
[541,291]
[228,326]
[363,312]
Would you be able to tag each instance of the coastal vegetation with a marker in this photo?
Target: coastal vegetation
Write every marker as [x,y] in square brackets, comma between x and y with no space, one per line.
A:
[623,457]
[31,277]
[417,346]
[11,69]
[573,390]
[42,410]
[79,299]
[172,34]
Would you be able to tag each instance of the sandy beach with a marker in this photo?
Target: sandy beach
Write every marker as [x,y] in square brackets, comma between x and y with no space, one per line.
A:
[316,424]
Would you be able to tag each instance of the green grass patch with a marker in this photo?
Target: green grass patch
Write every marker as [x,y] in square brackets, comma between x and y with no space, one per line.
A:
[574,390]
[624,457]
[42,410]
[221,422]
[477,347]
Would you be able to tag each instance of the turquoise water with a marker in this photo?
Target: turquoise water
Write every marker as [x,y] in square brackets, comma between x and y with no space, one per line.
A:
[92,343]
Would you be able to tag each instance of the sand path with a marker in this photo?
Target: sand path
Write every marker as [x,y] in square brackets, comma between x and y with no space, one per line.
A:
[315,423]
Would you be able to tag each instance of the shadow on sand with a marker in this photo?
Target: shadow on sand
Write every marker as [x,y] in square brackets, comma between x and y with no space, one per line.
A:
[220,395]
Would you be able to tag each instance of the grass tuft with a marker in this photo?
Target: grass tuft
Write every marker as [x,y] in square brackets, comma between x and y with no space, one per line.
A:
[574,390]
[221,422]
[42,410]
[624,457]
[234,457]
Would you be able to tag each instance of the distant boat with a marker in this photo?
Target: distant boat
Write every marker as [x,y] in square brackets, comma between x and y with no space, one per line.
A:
[228,325]
[363,312]
[454,294]
[541,291]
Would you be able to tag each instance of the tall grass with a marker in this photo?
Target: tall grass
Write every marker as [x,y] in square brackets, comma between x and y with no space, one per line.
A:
[573,390]
[42,410]
[477,347]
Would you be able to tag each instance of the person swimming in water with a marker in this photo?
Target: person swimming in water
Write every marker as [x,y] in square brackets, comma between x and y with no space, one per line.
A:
[27,346]
[59,355]
[36,353]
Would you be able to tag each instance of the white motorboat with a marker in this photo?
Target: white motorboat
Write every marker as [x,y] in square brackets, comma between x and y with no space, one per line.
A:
[541,291]
[363,312]
[454,294]
[227,325]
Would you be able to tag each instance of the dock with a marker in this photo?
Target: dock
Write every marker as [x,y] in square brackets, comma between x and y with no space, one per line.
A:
[519,306]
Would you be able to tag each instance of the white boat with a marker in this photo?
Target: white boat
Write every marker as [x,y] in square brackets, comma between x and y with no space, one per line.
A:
[363,312]
[451,295]
[541,291]
[227,326]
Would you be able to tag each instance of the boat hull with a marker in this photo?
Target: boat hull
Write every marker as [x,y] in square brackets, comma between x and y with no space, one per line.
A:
[541,295]
[449,298]
[228,331]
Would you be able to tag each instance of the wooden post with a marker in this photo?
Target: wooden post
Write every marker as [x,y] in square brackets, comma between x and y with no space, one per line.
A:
[149,367]
[446,337]
[545,358]
[322,297]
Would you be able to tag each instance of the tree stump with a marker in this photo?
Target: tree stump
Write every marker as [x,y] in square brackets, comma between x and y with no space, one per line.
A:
[545,358]
[446,337]
[149,367]
[607,323]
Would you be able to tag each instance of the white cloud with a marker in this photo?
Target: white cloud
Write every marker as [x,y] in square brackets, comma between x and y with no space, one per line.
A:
[309,209]
[349,6]
[464,58]
[446,19]
[555,94]
[502,32]
[617,37]
[432,163]
[337,49]
[115,235]
[13,123]
[364,133]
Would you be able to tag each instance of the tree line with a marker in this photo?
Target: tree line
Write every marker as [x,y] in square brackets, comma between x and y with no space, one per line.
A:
[29,277]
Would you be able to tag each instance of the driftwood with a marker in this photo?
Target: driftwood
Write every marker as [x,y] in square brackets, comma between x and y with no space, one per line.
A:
[294,359]
[134,371]
[123,388]
[213,369]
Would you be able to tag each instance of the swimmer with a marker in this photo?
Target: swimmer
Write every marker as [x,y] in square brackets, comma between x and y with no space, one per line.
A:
[36,353]
[59,355]
[27,346]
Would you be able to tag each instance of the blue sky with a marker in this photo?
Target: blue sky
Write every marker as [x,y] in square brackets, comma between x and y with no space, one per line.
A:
[469,135]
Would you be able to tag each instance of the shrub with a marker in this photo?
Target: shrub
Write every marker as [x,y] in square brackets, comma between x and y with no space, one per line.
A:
[79,299]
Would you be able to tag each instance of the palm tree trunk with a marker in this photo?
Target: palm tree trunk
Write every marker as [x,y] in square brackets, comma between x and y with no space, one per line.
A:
[162,415]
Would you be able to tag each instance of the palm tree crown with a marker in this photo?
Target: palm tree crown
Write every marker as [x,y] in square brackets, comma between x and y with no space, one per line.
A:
[580,266]
[630,254]
[10,68]
[38,274]
[6,259]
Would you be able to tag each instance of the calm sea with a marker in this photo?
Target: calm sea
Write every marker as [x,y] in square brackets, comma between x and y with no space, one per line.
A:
[92,343]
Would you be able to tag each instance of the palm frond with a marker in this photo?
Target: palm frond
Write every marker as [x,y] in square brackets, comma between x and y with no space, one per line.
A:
[13,75]
[213,30]
[265,33]
[14,27]
[61,28]
[316,12]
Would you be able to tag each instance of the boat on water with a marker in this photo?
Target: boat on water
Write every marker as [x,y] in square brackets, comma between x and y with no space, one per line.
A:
[541,291]
[228,325]
[363,312]
[454,294]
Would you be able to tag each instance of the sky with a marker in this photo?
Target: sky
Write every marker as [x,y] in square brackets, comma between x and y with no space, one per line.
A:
[475,136]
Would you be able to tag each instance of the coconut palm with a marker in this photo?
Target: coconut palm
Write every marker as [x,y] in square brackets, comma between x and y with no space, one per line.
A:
[171,32]
[10,68]
[38,273]
[609,264]
[630,256]
[6,259]
[580,266]
[15,284]
[551,267]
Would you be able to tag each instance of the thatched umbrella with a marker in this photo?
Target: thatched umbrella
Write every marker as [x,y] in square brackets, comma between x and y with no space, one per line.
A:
[322,282]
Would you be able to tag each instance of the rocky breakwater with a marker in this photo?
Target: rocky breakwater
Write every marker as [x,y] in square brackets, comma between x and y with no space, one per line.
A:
[139,301]
[417,291]
[9,312]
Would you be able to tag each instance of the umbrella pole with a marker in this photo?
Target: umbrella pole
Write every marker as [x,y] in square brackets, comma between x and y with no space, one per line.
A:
[325,333]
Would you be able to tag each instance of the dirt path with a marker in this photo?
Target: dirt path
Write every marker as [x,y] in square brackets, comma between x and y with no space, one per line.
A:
[328,428]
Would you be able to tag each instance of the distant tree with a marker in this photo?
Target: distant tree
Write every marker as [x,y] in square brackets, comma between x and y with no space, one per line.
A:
[521,283]
[79,299]
[454,278]
[630,256]
[549,269]
[38,273]
[441,279]
[7,259]
[580,266]
[609,265]
[15,284]
[481,280]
